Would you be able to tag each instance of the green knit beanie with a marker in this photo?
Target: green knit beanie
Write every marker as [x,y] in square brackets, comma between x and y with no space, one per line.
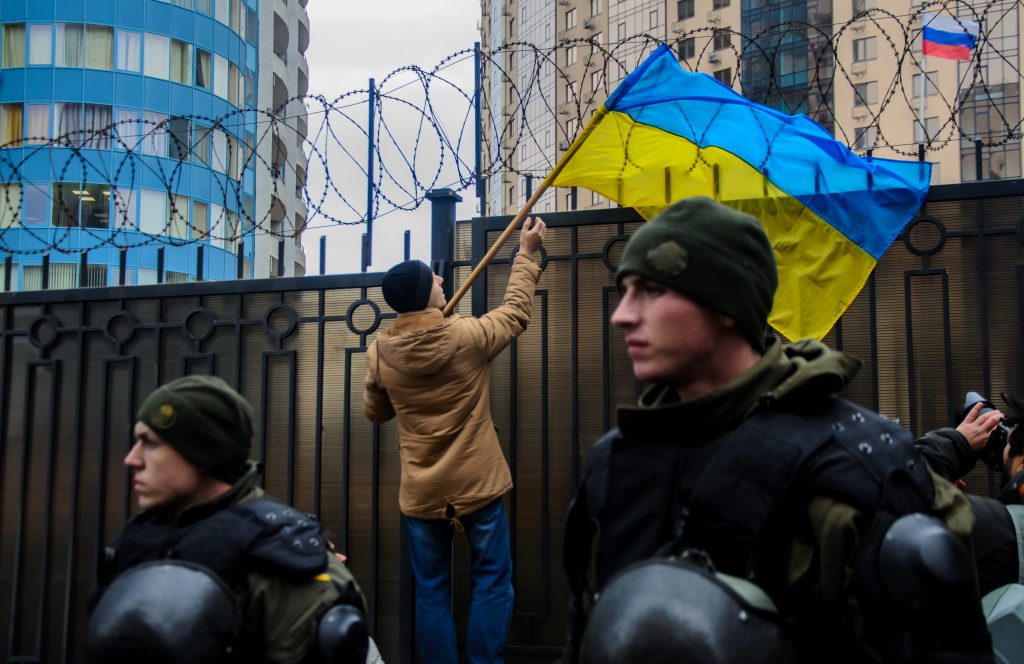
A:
[713,254]
[206,421]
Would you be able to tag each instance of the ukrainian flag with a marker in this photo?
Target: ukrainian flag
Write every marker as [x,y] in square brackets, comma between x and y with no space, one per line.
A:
[666,134]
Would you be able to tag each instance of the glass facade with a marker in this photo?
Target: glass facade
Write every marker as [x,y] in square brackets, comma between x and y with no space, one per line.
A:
[124,125]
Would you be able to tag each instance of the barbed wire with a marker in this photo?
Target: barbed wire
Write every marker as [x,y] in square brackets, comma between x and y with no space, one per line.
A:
[534,101]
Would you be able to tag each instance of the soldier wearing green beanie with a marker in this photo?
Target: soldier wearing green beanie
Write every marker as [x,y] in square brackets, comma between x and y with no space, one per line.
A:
[201,506]
[742,452]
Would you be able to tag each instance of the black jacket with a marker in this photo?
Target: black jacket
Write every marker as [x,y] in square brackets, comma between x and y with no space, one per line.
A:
[994,538]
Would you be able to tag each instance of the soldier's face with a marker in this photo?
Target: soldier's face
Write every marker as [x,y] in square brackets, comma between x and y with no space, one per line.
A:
[161,476]
[670,338]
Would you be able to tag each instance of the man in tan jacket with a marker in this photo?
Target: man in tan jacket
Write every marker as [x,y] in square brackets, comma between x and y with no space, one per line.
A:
[434,374]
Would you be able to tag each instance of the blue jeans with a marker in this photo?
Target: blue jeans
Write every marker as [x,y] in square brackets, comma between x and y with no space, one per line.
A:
[490,610]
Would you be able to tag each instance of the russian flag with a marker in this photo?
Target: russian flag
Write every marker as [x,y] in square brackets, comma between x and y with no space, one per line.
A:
[948,37]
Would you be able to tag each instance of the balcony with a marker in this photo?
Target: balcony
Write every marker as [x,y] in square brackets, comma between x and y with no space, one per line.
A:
[280,95]
[303,37]
[280,37]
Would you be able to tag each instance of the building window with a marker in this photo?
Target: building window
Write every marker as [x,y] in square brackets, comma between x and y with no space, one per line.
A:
[154,133]
[99,47]
[722,39]
[595,7]
[181,62]
[125,212]
[203,144]
[719,4]
[930,88]
[37,205]
[865,93]
[220,151]
[204,6]
[724,76]
[126,129]
[129,51]
[179,141]
[249,84]
[570,19]
[68,45]
[200,220]
[596,198]
[684,9]
[203,69]
[10,204]
[153,213]
[10,125]
[931,130]
[40,44]
[220,76]
[570,55]
[862,6]
[595,80]
[216,221]
[85,205]
[235,81]
[865,138]
[223,11]
[14,45]
[156,58]
[87,126]
[38,123]
[250,26]
[864,49]
[178,214]
[235,17]
[621,36]
[686,48]
[230,236]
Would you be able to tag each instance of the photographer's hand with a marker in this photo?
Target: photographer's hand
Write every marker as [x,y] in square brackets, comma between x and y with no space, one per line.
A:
[977,429]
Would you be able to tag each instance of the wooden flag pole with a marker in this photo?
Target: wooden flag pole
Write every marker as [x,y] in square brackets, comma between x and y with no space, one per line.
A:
[482,265]
[485,261]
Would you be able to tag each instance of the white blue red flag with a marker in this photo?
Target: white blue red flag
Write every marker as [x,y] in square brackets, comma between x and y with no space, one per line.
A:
[948,37]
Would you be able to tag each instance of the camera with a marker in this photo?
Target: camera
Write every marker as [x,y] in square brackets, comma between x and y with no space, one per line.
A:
[992,454]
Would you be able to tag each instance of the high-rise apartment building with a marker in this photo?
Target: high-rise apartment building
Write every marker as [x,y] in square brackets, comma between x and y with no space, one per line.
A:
[283,80]
[835,61]
[130,135]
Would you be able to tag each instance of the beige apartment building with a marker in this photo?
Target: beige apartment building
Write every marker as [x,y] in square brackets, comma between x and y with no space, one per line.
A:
[846,63]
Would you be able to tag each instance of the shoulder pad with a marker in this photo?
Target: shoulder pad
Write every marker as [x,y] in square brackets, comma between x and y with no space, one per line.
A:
[292,542]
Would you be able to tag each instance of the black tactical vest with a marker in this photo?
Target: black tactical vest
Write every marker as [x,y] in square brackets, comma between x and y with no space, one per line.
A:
[736,496]
[261,536]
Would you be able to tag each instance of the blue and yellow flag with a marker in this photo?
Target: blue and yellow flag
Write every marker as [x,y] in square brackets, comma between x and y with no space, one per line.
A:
[666,134]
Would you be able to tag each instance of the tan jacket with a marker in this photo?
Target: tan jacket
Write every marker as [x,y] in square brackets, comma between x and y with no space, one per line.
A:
[434,373]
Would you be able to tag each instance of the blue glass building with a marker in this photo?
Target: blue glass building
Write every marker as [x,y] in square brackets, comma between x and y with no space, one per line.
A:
[126,126]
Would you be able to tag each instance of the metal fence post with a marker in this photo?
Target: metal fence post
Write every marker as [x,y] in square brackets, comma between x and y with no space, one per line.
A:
[442,235]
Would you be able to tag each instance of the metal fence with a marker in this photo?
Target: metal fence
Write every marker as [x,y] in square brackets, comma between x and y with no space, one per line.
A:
[942,314]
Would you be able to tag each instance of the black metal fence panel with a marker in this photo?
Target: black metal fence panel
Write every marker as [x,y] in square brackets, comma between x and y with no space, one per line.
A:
[941,315]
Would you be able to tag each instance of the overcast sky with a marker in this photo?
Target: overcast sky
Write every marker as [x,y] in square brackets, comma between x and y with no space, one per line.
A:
[352,41]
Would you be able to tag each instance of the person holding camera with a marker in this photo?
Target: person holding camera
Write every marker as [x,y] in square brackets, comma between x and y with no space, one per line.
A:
[985,433]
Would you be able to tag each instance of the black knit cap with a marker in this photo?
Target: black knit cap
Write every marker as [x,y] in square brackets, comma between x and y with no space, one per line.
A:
[206,421]
[407,286]
[716,255]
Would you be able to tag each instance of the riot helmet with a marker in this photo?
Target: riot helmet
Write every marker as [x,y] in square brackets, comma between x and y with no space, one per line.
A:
[673,609]
[164,612]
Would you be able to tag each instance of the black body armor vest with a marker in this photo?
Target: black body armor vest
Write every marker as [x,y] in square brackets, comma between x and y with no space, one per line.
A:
[735,495]
[261,536]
